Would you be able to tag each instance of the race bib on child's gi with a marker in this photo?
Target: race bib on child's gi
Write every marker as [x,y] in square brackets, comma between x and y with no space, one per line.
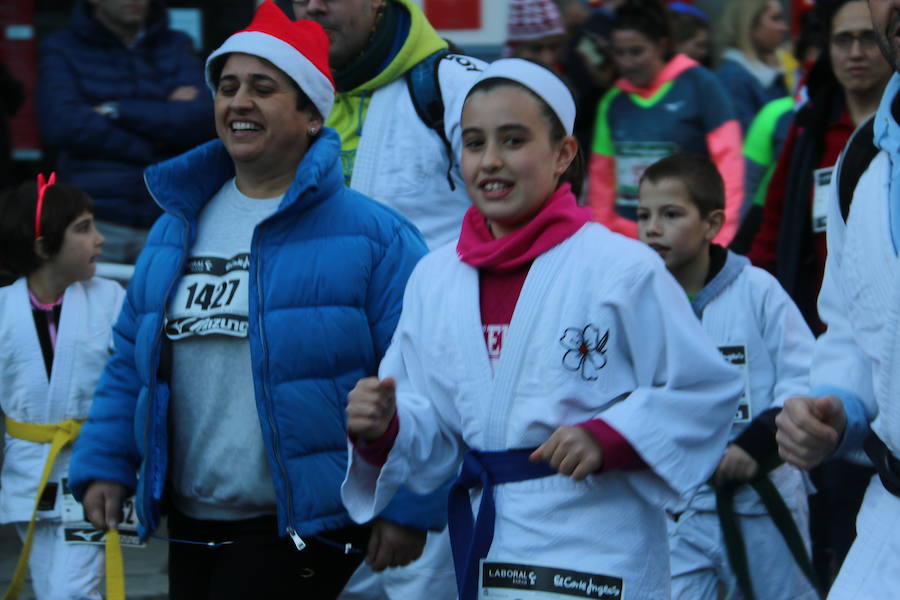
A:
[77,529]
[821,185]
[737,355]
[505,581]
[632,159]
[211,298]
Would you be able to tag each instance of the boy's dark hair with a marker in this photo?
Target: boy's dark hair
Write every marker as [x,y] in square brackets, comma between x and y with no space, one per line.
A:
[651,18]
[698,174]
[574,175]
[63,204]
[303,101]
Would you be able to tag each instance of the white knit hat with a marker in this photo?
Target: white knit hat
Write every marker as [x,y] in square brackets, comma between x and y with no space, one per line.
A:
[299,48]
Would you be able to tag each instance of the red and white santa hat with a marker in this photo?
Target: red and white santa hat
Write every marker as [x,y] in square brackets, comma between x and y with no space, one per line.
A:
[299,48]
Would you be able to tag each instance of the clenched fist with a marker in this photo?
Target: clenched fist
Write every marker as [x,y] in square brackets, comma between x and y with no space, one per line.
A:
[570,451]
[809,429]
[371,406]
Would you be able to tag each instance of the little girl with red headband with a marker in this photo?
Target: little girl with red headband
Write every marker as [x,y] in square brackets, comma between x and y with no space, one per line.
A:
[55,335]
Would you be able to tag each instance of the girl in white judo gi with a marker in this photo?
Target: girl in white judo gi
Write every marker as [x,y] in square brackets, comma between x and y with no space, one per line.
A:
[757,327]
[55,335]
[557,362]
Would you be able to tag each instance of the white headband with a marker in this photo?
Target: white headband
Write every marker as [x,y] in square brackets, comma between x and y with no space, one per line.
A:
[539,80]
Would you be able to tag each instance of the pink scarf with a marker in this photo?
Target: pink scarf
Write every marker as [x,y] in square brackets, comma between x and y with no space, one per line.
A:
[558,219]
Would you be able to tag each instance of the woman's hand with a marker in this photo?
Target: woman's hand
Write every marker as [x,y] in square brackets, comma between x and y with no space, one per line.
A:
[103,504]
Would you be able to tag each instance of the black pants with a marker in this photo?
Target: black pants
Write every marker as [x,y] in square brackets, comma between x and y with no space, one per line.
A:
[841,487]
[258,564]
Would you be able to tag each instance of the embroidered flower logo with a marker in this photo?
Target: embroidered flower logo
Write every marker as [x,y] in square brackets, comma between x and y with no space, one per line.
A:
[586,351]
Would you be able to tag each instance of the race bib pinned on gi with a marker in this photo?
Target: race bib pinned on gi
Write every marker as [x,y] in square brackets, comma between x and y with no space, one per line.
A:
[506,581]
[737,355]
[211,298]
[821,184]
[77,530]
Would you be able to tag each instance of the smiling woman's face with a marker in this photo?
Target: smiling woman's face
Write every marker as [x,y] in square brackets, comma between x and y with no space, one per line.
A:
[257,117]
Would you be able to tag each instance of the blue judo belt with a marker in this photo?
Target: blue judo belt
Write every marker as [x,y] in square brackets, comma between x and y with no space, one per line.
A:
[470,540]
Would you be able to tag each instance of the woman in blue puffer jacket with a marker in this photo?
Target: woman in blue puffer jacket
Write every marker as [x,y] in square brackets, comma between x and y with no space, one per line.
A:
[266,290]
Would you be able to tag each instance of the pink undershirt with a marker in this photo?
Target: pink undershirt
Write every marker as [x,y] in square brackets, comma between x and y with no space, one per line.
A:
[503,266]
[48,310]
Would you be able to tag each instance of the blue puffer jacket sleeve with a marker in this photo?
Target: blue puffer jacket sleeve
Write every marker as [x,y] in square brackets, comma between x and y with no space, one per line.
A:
[178,123]
[385,296]
[383,307]
[69,122]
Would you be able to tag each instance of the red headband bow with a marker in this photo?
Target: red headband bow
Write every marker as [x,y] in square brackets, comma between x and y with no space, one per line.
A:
[41,188]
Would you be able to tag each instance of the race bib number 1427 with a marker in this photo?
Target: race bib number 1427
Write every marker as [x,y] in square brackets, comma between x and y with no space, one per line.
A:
[211,298]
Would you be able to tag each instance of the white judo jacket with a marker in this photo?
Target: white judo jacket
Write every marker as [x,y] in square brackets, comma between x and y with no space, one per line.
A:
[83,343]
[860,302]
[859,356]
[401,162]
[600,330]
[755,324]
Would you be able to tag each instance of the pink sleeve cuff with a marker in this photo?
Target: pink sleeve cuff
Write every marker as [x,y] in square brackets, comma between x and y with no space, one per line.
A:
[617,452]
[376,453]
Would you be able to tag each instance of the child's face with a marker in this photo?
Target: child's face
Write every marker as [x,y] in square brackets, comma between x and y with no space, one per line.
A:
[509,163]
[77,257]
[671,224]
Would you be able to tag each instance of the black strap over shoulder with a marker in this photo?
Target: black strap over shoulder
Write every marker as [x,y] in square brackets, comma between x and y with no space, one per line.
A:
[858,154]
[425,92]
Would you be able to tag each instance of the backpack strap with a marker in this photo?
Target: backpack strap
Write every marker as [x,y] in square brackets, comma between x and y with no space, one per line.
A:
[860,151]
[425,92]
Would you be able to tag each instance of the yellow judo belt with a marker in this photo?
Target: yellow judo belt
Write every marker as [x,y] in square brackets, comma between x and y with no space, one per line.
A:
[59,436]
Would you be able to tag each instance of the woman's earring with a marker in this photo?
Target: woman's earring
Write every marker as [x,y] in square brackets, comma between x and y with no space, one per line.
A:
[313,131]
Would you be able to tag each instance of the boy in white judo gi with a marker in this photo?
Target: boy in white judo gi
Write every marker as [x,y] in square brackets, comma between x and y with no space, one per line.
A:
[758,328]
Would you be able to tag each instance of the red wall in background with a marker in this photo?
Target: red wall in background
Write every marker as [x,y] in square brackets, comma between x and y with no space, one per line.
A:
[18,50]
[454,14]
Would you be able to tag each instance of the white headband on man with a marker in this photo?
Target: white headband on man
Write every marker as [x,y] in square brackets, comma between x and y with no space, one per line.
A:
[539,80]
